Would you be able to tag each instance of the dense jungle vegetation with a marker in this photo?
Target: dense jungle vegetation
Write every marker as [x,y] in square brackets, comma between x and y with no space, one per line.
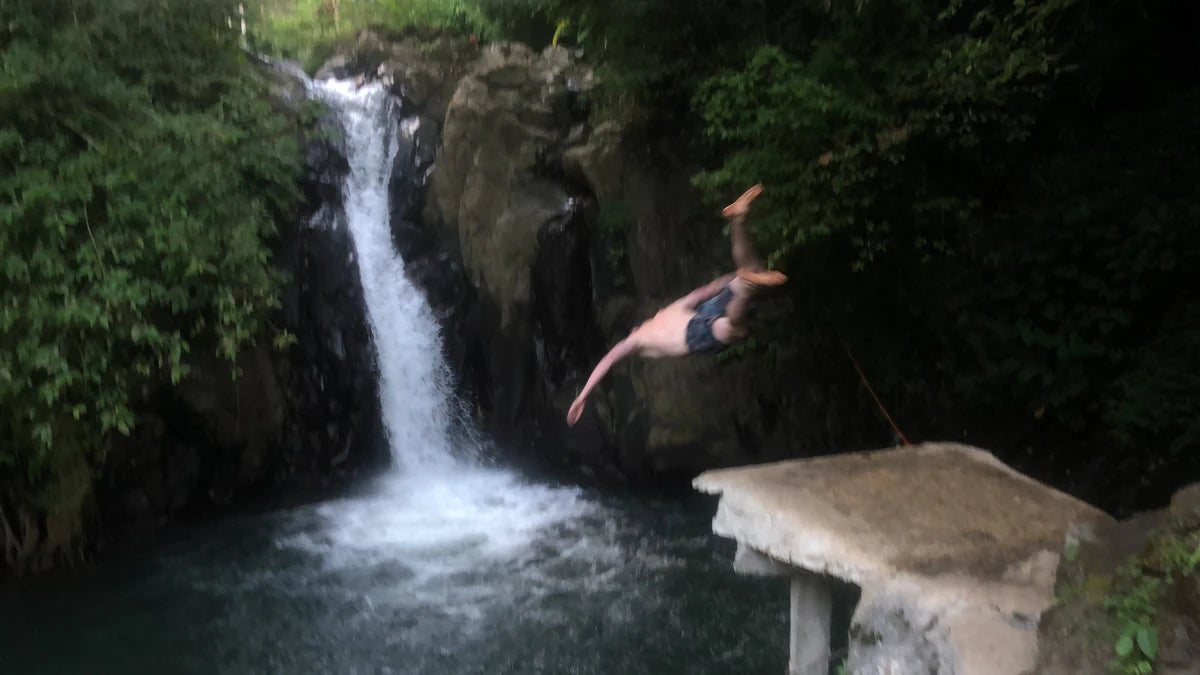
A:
[143,172]
[993,203]
[1001,190]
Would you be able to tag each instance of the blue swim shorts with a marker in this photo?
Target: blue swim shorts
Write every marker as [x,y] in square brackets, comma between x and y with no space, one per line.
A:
[700,338]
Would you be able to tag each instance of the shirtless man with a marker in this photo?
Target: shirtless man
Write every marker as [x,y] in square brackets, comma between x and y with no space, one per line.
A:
[705,321]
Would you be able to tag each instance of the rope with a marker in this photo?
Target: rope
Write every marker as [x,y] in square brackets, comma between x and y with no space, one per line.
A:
[872,391]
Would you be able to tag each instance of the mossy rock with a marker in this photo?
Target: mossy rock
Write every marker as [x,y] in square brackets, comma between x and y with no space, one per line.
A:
[1141,571]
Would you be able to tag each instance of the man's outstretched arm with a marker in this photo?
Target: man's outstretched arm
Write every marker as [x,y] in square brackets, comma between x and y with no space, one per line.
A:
[619,351]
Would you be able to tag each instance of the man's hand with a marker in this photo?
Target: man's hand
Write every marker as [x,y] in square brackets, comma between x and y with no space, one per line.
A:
[576,410]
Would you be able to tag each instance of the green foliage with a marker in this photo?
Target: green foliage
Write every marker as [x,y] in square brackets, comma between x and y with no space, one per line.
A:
[1136,645]
[851,133]
[656,53]
[142,171]
[1136,594]
[534,22]
[308,29]
[1153,403]
[1085,282]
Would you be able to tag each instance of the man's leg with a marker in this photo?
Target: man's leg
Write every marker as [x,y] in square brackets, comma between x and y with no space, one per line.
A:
[750,271]
[745,258]
[735,312]
[749,266]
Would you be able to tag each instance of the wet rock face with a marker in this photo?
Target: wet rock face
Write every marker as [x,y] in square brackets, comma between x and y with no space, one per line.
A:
[418,146]
[329,376]
[518,233]
[561,298]
[325,166]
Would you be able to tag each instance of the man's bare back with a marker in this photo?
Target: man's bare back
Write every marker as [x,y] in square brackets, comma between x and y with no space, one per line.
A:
[663,334]
[705,321]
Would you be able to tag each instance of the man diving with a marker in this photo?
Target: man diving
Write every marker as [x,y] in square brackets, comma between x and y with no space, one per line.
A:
[705,321]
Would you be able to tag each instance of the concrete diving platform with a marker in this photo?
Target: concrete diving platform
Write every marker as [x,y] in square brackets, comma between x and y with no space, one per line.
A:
[955,554]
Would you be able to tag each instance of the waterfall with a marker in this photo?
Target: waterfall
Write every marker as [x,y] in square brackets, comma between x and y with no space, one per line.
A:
[414,388]
[434,515]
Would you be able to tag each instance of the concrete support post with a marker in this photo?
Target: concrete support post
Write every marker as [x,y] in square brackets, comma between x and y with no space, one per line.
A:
[812,608]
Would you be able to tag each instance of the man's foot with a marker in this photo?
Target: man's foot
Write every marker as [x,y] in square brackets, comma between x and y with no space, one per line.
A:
[742,204]
[763,277]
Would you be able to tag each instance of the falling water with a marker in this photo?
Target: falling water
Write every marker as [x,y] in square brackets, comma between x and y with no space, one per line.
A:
[413,377]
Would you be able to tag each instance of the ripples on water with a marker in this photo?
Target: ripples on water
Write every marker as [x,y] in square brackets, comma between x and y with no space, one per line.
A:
[472,572]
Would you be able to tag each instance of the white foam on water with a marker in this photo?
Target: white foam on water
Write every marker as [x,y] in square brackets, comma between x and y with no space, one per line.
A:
[437,525]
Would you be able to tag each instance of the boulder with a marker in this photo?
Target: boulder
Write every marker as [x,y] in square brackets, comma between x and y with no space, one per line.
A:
[1101,564]
[520,324]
